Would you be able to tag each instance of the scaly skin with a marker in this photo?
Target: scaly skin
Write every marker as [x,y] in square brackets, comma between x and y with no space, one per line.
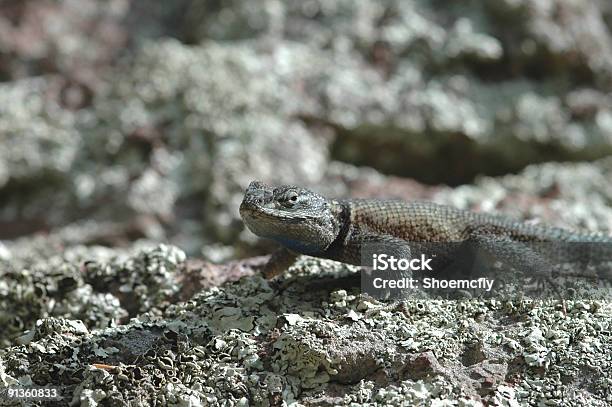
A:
[307,223]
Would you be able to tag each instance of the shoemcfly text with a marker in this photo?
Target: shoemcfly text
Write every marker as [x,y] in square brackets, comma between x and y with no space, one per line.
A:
[432,283]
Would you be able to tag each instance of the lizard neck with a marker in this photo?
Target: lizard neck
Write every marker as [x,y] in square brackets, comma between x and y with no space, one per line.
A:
[341,211]
[315,236]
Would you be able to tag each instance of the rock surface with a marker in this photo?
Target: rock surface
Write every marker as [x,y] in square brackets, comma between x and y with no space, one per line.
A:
[150,325]
[314,342]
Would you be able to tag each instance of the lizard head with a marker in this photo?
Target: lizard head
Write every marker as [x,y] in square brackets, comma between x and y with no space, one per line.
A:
[295,217]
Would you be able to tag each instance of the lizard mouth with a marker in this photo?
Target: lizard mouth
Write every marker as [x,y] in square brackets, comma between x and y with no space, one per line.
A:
[255,211]
[268,222]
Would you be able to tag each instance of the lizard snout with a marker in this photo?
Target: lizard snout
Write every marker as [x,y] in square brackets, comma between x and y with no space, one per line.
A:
[258,193]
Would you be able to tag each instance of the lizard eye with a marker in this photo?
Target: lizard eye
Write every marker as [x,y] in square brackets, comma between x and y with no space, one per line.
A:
[290,199]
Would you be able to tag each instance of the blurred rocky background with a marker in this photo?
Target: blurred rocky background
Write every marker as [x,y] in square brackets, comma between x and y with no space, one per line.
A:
[127,123]
[126,119]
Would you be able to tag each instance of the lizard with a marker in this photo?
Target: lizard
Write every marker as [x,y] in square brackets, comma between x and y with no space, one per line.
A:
[304,222]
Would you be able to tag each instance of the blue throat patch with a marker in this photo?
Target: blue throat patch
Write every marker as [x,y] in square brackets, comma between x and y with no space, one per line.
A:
[297,245]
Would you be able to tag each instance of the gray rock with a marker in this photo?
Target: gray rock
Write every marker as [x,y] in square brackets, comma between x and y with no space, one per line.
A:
[250,342]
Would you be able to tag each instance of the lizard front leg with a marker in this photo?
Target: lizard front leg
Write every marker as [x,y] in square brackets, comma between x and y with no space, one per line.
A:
[279,262]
